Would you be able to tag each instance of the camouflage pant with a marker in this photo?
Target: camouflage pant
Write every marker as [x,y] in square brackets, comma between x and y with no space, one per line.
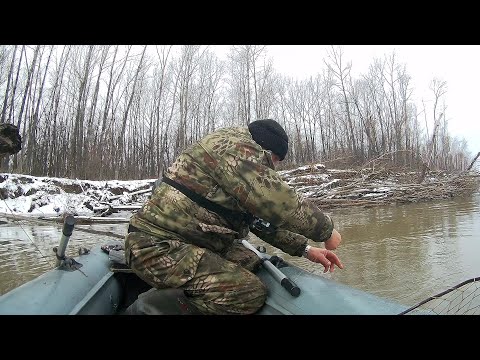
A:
[213,284]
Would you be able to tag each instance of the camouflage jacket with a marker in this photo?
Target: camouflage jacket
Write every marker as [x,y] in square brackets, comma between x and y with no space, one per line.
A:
[229,168]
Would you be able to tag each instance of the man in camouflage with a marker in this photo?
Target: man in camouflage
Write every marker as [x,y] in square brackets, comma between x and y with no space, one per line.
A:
[173,242]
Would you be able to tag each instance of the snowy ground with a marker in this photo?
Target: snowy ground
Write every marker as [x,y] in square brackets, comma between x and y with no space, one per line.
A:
[43,196]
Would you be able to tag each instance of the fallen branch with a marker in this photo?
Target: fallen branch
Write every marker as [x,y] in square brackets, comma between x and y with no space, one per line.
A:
[59,219]
[473,161]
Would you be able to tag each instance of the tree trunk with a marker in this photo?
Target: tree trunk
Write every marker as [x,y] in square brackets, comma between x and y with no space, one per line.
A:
[473,162]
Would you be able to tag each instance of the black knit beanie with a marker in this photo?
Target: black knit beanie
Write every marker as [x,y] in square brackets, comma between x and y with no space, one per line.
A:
[270,135]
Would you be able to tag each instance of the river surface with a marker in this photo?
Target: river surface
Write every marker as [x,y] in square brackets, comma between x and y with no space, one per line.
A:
[405,252]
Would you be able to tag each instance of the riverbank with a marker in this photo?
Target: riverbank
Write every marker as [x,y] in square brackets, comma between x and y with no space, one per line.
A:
[25,196]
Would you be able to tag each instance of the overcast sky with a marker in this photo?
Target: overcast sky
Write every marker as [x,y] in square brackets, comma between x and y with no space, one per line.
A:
[458,65]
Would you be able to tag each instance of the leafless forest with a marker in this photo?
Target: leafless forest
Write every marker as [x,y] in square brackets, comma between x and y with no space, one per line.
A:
[124,112]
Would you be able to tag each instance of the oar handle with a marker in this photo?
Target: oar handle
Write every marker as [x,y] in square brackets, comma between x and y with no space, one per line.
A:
[68,224]
[293,289]
[288,284]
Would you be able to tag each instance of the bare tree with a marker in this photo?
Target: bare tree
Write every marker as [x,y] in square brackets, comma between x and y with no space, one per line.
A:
[7,90]
[157,137]
[342,74]
[187,65]
[12,97]
[106,142]
[439,88]
[53,133]
[120,140]
[35,165]
[31,69]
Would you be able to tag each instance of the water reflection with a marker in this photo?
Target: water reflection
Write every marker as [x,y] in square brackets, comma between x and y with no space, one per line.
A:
[404,252]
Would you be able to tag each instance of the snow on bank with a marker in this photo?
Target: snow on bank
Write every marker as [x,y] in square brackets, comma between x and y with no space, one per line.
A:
[45,196]
[51,196]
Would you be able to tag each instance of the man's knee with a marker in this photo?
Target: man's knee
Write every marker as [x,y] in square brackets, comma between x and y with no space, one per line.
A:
[237,291]
[251,297]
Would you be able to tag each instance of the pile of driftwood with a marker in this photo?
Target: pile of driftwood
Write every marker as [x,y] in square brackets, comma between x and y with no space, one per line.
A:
[368,187]
[327,188]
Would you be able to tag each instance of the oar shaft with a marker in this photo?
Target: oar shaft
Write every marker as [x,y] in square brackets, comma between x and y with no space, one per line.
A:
[289,285]
[67,230]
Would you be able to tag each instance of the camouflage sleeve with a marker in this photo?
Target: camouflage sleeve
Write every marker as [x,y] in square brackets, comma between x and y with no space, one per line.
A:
[261,191]
[287,241]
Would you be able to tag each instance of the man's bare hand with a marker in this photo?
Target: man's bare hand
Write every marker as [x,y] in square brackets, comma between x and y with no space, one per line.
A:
[325,257]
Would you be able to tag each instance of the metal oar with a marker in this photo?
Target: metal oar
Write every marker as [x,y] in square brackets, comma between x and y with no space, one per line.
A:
[289,285]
